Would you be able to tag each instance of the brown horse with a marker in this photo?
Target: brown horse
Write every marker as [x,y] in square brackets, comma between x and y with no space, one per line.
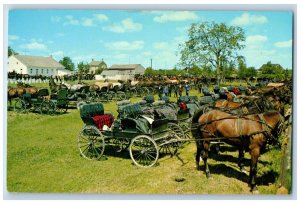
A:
[27,88]
[227,104]
[251,132]
[14,93]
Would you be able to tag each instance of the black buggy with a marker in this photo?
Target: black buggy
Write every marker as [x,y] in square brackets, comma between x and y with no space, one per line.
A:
[142,136]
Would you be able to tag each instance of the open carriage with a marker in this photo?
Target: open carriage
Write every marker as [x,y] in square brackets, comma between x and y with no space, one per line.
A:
[42,102]
[142,136]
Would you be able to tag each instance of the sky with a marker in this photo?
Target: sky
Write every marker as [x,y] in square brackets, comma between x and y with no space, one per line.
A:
[136,37]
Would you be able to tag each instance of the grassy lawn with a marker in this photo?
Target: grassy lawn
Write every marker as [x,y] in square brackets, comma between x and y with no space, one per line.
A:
[42,156]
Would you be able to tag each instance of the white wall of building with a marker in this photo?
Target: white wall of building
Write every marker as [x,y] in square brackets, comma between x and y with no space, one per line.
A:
[15,65]
[32,71]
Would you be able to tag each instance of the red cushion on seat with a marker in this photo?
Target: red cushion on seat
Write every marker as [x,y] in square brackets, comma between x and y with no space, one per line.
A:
[101,120]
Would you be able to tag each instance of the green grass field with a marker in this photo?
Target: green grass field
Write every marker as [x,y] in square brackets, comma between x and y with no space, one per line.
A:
[42,156]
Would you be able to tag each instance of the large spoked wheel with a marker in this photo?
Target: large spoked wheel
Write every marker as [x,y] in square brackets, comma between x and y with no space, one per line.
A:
[20,106]
[47,107]
[186,130]
[170,143]
[143,151]
[121,96]
[91,143]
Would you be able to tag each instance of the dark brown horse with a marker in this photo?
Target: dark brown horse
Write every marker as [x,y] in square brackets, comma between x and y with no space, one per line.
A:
[251,133]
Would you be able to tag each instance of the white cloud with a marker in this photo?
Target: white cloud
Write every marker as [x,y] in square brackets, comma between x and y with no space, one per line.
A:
[126,25]
[57,54]
[175,16]
[70,20]
[34,46]
[248,19]
[255,41]
[13,37]
[87,22]
[125,45]
[101,17]
[283,44]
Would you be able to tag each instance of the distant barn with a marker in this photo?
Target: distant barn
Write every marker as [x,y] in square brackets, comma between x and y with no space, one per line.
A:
[121,72]
[95,65]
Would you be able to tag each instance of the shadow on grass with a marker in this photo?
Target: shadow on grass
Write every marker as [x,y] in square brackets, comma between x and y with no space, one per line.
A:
[233,159]
[222,169]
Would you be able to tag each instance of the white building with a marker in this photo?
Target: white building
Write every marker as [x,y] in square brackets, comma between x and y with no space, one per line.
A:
[121,72]
[35,65]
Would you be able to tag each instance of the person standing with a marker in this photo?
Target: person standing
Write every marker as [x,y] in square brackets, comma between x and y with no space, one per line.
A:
[187,89]
[175,90]
[166,90]
[170,89]
[180,90]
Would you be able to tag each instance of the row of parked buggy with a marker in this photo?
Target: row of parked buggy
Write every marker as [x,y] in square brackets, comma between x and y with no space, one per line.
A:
[45,102]
[147,128]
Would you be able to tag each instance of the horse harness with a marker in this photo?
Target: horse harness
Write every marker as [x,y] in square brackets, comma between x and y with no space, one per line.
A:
[266,129]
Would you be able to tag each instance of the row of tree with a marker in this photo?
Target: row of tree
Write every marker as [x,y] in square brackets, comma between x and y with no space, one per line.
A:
[212,49]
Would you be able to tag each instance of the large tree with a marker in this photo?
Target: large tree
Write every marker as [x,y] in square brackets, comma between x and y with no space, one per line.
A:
[83,68]
[67,62]
[11,51]
[212,44]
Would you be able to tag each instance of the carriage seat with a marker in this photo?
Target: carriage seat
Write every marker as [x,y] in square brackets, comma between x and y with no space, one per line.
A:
[130,110]
[149,99]
[141,102]
[101,120]
[123,103]
[40,94]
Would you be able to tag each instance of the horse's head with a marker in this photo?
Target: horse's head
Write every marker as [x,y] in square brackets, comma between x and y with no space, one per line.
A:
[276,122]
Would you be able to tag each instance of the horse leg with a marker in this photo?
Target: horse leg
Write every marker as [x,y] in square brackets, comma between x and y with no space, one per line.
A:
[241,161]
[204,155]
[254,152]
[198,144]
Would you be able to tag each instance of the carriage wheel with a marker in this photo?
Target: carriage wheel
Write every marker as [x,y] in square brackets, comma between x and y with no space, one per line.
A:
[46,107]
[143,151]
[91,143]
[52,107]
[151,90]
[172,142]
[20,106]
[110,96]
[122,96]
[145,91]
[186,130]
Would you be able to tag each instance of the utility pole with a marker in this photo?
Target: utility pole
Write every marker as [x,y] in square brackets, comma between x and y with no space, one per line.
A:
[151,63]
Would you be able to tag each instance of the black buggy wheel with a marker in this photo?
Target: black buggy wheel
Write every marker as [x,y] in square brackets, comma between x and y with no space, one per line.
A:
[20,106]
[47,107]
[143,151]
[172,142]
[186,127]
[91,143]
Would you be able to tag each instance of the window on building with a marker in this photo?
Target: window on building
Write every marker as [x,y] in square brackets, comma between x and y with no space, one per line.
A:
[42,71]
[47,71]
[30,71]
[36,71]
